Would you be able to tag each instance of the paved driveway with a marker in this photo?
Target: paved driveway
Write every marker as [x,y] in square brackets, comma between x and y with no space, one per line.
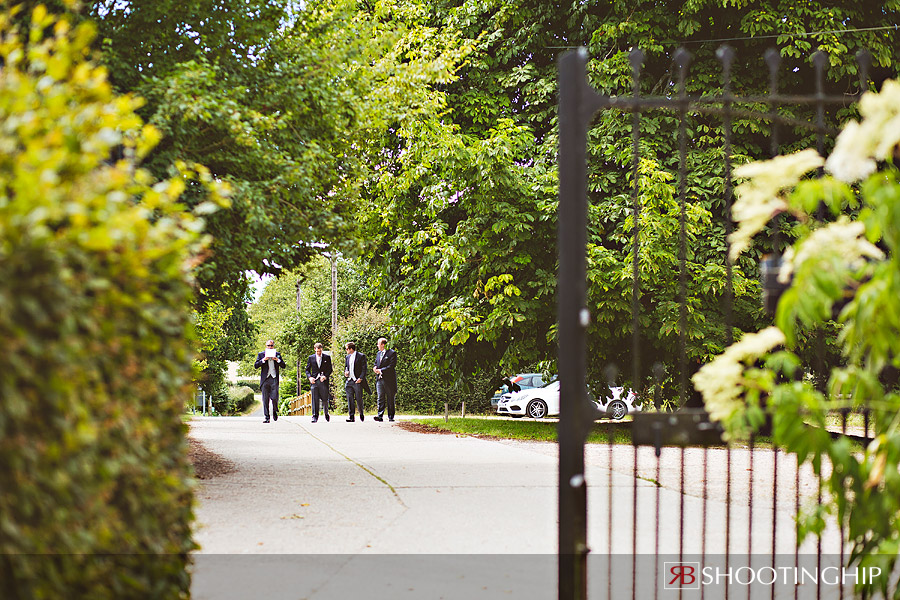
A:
[330,508]
[367,509]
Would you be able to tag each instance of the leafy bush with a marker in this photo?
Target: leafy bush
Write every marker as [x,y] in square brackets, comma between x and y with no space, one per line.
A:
[241,398]
[253,385]
[95,334]
[284,404]
[221,399]
[840,269]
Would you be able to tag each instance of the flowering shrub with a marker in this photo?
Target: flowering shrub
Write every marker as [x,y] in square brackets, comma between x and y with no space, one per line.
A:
[846,264]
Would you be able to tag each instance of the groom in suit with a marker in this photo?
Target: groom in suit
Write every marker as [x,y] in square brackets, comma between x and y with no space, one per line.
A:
[355,378]
[318,371]
[270,363]
[385,379]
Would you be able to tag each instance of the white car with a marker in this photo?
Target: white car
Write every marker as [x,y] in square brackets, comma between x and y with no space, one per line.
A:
[544,402]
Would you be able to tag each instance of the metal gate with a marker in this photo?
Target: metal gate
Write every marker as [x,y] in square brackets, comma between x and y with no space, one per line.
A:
[678,499]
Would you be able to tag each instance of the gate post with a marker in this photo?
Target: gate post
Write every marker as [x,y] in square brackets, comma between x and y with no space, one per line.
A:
[577,104]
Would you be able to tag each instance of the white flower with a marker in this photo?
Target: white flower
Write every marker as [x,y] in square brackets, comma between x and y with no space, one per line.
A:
[722,383]
[860,145]
[844,239]
[782,171]
[752,211]
[851,159]
[760,197]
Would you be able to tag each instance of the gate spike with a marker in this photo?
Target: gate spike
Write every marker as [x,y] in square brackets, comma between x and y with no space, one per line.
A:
[773,59]
[864,60]
[682,58]
[636,58]
[725,54]
[820,59]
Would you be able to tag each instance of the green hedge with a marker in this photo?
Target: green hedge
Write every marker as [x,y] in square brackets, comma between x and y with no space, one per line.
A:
[253,385]
[241,398]
[95,338]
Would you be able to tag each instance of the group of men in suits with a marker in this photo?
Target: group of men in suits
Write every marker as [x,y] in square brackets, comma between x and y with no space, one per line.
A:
[319,368]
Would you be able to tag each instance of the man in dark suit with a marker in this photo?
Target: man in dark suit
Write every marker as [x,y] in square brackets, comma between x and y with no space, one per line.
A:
[318,371]
[270,363]
[355,377]
[385,379]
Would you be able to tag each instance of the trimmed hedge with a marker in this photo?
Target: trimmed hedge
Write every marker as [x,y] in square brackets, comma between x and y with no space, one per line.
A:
[241,398]
[95,336]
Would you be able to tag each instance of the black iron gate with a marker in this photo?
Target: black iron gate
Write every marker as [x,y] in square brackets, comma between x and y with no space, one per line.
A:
[678,494]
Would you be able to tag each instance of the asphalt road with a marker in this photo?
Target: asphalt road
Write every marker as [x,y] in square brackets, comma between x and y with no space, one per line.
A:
[337,510]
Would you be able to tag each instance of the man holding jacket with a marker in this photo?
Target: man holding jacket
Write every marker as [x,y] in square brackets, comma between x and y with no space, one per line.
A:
[318,371]
[355,380]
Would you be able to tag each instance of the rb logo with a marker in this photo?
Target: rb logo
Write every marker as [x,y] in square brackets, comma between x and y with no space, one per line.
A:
[681,576]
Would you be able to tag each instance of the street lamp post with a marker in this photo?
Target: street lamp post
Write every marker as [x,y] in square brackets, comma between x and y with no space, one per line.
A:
[299,350]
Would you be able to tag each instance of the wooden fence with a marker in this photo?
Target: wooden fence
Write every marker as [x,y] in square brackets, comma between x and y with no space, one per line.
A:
[301,405]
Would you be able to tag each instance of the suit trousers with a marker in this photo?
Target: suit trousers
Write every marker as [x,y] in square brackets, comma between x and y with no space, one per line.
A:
[270,393]
[386,395]
[319,392]
[354,394]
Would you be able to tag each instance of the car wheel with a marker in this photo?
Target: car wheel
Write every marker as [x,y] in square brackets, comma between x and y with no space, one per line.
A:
[617,409]
[536,409]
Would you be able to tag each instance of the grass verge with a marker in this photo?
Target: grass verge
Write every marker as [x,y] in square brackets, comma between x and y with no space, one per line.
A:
[525,429]
[528,429]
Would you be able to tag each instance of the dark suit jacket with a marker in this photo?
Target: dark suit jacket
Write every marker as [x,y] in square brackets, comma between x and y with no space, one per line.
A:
[263,365]
[313,369]
[359,369]
[388,366]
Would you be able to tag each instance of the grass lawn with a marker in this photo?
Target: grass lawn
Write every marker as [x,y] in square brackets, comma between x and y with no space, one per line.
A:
[526,429]
[545,431]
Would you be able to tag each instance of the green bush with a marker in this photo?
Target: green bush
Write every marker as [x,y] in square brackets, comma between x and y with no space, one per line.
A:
[253,385]
[241,398]
[221,399]
[95,335]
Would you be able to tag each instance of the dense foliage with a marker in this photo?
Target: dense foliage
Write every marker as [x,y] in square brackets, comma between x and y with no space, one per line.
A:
[465,236]
[223,334]
[95,332]
[837,266]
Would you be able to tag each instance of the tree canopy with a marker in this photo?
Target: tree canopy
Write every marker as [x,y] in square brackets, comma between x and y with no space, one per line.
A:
[422,138]
[466,250]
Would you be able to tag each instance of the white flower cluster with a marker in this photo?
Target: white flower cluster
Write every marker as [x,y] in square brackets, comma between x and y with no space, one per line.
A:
[860,145]
[760,197]
[843,238]
[722,381]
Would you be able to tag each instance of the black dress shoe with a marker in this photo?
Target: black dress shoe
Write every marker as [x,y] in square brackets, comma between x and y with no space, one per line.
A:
[314,420]
[266,421]
[362,417]
[327,418]
[276,417]
[391,420]
[350,420]
[378,419]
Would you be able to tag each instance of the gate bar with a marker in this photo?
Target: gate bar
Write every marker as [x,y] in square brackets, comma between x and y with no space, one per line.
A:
[577,104]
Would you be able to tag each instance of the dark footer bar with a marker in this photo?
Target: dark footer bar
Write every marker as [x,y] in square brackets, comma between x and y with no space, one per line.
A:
[479,576]
[523,577]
